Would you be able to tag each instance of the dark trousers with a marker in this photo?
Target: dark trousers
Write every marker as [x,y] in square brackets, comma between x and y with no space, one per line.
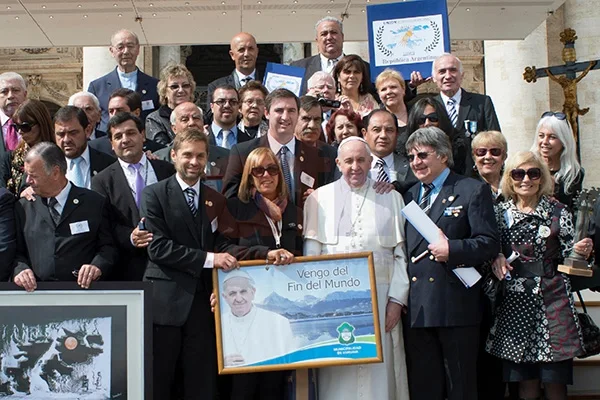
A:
[194,344]
[442,362]
[259,386]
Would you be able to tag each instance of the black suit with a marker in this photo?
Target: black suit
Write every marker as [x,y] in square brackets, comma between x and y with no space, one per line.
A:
[217,159]
[8,241]
[231,79]
[112,184]
[103,145]
[51,251]
[473,107]
[442,324]
[98,162]
[181,286]
[307,160]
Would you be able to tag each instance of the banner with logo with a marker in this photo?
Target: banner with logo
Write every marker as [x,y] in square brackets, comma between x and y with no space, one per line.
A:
[316,312]
[407,36]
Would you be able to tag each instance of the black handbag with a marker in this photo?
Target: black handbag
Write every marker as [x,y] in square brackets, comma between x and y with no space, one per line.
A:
[589,330]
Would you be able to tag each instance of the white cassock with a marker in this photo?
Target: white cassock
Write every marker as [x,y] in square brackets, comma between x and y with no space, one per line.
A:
[340,219]
[257,336]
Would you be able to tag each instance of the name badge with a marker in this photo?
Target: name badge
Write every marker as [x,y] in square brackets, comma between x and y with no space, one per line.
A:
[79,227]
[307,179]
[147,105]
[214,225]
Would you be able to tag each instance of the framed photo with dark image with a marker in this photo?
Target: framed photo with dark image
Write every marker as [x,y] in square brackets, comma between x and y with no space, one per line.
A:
[64,342]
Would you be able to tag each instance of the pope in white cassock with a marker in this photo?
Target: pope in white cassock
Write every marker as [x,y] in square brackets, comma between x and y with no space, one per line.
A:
[348,216]
[250,333]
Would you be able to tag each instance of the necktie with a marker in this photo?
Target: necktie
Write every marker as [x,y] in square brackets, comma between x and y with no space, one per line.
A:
[245,80]
[285,167]
[52,202]
[382,176]
[190,194]
[77,174]
[140,183]
[425,204]
[331,64]
[12,139]
[225,138]
[452,113]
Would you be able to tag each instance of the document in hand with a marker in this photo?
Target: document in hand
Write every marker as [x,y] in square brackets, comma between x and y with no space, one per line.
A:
[469,276]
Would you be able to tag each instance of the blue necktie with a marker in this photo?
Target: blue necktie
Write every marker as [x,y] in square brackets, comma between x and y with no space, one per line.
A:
[452,113]
[285,167]
[190,194]
[78,179]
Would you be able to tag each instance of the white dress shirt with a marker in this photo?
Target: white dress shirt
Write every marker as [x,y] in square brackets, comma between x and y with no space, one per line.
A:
[241,76]
[457,96]
[388,168]
[61,198]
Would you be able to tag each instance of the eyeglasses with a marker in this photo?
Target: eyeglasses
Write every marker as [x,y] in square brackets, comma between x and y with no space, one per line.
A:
[25,127]
[422,155]
[271,169]
[433,117]
[222,102]
[558,115]
[250,102]
[518,174]
[482,151]
[185,86]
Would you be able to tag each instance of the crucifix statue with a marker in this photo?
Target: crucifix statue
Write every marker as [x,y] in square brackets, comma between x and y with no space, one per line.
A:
[566,76]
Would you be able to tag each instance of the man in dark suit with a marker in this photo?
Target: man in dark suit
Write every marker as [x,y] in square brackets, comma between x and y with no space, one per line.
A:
[71,132]
[125,47]
[442,323]
[13,92]
[89,103]
[225,108]
[64,233]
[244,52]
[7,234]
[306,169]
[129,101]
[462,106]
[185,218]
[122,184]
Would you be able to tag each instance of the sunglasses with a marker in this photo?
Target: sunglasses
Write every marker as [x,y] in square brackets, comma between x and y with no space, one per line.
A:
[433,117]
[185,86]
[422,155]
[221,102]
[482,151]
[558,115]
[25,127]
[271,169]
[518,174]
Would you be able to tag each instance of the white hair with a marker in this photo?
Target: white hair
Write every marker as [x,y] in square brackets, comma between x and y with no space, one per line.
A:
[173,117]
[84,94]
[460,66]
[112,38]
[13,76]
[318,76]
[332,19]
[354,139]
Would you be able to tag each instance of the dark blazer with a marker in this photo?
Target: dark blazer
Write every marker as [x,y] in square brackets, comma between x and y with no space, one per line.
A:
[473,107]
[437,298]
[405,178]
[308,161]
[217,158]
[251,235]
[329,154]
[178,250]
[105,85]
[103,144]
[241,136]
[231,79]
[99,161]
[52,252]
[8,242]
[124,215]
[99,133]
[158,126]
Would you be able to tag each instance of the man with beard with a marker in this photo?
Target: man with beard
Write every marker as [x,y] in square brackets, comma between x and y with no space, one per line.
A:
[223,131]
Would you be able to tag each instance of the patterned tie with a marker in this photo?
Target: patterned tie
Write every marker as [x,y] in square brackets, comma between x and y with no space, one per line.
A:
[77,175]
[190,193]
[425,203]
[225,139]
[245,80]
[52,202]
[285,167]
[331,64]
[382,176]
[452,113]
[140,184]
[12,139]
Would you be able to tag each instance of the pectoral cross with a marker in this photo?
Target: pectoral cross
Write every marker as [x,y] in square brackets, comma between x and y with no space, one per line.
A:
[569,81]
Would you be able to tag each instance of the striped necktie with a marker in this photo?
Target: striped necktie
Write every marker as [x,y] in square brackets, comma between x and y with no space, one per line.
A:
[425,203]
[190,194]
[285,167]
[382,176]
[452,113]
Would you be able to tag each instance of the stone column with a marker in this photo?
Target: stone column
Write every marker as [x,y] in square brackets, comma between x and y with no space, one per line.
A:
[292,52]
[168,54]
[97,62]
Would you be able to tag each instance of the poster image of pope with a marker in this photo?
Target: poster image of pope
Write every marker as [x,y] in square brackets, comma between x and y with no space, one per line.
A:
[305,312]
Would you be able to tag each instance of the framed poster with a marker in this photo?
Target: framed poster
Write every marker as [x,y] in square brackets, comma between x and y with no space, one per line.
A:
[64,342]
[316,312]
[279,76]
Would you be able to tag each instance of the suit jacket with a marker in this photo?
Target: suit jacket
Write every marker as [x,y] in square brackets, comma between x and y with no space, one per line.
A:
[217,159]
[98,162]
[329,154]
[473,107]
[103,145]
[405,178]
[307,161]
[241,136]
[124,215]
[8,243]
[158,126]
[179,247]
[53,252]
[231,79]
[105,85]
[437,298]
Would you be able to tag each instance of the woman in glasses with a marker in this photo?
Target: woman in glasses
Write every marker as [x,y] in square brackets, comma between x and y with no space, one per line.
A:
[268,227]
[536,331]
[176,86]
[429,112]
[489,154]
[33,123]
[342,124]
[352,82]
[554,142]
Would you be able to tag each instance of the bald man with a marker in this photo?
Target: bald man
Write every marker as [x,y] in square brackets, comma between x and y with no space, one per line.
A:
[244,52]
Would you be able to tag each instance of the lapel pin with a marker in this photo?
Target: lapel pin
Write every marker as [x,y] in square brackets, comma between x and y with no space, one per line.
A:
[432,257]
[144,91]
[75,201]
[213,163]
[443,201]
[300,226]
[208,203]
[94,173]
[451,198]
[301,159]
